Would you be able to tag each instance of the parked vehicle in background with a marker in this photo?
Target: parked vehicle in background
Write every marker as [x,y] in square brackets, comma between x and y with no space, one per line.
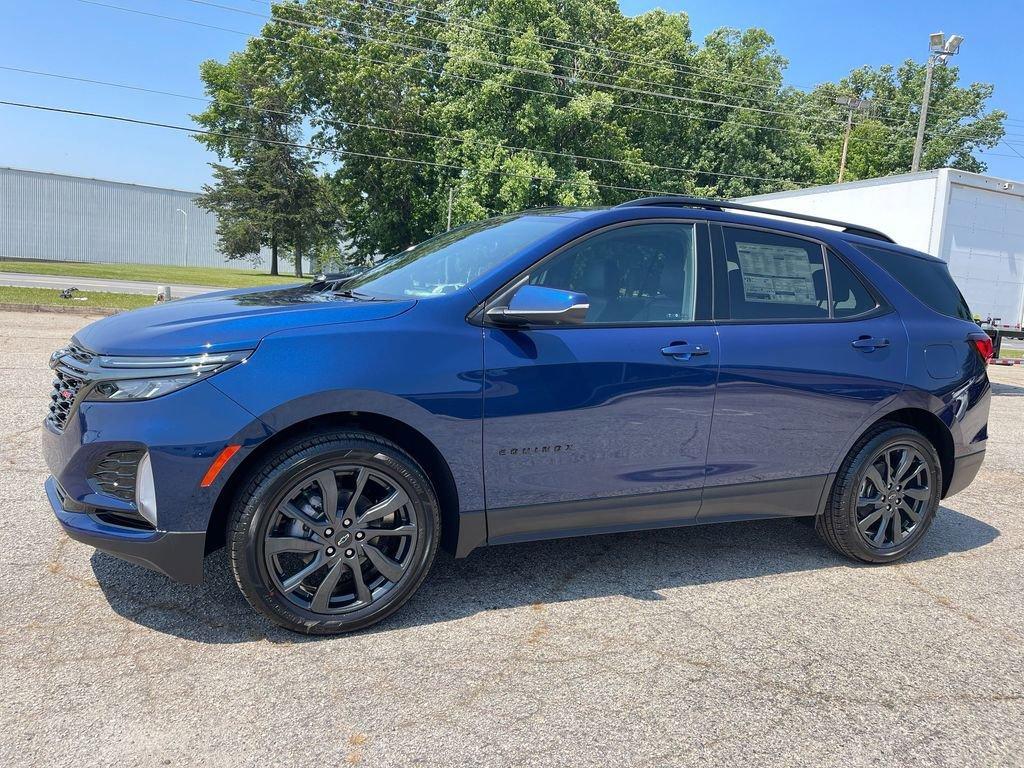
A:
[667,362]
[330,280]
[974,223]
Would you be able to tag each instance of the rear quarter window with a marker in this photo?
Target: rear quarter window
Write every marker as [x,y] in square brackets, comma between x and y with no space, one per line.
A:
[928,280]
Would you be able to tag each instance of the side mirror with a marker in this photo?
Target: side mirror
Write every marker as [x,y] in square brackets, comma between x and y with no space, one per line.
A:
[538,305]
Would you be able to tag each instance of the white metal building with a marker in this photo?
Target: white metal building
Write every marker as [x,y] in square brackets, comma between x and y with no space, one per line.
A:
[974,223]
[52,217]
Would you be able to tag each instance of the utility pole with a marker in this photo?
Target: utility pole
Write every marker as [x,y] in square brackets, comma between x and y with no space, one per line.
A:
[852,105]
[451,197]
[939,50]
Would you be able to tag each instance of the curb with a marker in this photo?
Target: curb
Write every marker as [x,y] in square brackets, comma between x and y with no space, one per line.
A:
[58,310]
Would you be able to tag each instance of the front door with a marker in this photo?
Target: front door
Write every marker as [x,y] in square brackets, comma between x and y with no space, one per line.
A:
[605,425]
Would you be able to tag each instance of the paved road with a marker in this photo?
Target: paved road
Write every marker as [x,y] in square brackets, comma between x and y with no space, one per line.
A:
[24,280]
[736,644]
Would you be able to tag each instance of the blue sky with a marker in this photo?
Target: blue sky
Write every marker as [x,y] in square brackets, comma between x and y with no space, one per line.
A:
[822,40]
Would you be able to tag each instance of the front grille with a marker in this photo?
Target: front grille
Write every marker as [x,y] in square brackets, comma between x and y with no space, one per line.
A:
[115,474]
[71,374]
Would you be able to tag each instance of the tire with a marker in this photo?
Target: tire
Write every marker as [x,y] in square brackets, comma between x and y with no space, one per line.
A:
[320,574]
[872,495]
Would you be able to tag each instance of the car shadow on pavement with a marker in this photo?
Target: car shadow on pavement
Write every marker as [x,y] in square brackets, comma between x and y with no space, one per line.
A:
[637,565]
[1006,390]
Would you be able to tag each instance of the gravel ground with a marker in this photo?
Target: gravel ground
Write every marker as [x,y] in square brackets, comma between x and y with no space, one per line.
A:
[746,643]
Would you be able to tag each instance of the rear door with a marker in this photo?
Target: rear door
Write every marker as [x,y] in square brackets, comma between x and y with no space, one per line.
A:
[605,425]
[809,353]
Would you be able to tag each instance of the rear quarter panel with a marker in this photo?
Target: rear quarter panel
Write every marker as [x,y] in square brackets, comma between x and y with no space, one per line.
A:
[945,374]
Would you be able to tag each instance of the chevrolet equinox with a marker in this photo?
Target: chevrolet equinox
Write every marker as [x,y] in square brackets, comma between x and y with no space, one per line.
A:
[559,372]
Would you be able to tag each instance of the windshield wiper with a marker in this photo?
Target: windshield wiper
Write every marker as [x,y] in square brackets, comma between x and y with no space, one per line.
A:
[350,294]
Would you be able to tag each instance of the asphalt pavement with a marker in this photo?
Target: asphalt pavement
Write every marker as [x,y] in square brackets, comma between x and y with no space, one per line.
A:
[26,280]
[733,644]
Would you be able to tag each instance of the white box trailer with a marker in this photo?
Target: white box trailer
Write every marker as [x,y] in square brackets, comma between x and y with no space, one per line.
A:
[972,222]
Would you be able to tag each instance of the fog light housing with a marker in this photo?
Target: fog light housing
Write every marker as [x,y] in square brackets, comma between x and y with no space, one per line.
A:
[145,490]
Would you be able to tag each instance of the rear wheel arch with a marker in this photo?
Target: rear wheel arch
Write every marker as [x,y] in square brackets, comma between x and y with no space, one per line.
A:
[925,422]
[409,439]
[883,498]
[931,426]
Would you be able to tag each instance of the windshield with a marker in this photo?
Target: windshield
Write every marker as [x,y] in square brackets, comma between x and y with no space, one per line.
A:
[447,262]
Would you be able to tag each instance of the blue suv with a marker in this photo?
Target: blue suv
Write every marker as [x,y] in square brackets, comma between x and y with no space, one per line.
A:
[666,362]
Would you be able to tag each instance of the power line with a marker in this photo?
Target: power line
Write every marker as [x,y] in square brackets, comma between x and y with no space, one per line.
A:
[892,122]
[325,150]
[508,86]
[388,129]
[571,71]
[566,67]
[501,65]
[556,44]
[474,25]
[1014,150]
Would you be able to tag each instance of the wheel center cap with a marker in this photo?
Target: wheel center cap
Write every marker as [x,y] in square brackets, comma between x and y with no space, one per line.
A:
[344,538]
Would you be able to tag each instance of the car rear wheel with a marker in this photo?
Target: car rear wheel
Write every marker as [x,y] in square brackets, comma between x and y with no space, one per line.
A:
[885,496]
[333,533]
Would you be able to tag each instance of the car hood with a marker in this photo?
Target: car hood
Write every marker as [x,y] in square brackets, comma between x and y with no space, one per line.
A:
[227,320]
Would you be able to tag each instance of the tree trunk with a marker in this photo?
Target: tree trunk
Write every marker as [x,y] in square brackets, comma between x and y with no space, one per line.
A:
[298,261]
[273,253]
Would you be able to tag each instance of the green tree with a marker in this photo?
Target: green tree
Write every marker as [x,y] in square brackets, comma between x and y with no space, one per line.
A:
[500,105]
[241,220]
[271,195]
[882,143]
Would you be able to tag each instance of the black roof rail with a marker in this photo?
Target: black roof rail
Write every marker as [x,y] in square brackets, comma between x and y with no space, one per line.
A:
[710,204]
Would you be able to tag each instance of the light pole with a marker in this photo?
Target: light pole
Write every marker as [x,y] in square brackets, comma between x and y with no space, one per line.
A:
[940,48]
[185,215]
[853,105]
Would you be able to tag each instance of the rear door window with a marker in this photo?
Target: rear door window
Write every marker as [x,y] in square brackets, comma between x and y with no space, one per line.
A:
[774,277]
[850,297]
[928,280]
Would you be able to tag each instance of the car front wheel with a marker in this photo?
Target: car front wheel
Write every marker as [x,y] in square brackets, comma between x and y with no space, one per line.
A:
[333,533]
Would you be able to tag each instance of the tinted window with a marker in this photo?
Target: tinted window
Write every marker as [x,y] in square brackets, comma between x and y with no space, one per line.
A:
[447,262]
[850,297]
[638,274]
[774,277]
[928,280]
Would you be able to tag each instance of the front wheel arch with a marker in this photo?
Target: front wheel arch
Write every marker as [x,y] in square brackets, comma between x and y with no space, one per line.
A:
[412,441]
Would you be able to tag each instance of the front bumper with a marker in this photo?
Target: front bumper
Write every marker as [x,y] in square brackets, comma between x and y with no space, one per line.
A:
[182,433]
[178,555]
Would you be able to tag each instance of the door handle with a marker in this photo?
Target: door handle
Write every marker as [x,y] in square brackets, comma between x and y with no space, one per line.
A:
[683,351]
[869,343]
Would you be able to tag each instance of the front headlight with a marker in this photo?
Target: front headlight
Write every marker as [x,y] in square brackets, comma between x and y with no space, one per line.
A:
[143,378]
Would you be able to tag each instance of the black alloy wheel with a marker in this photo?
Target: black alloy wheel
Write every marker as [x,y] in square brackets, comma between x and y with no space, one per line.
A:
[884,497]
[340,539]
[893,496]
[335,533]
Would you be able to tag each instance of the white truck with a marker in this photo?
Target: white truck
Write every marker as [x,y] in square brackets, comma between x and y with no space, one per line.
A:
[972,222]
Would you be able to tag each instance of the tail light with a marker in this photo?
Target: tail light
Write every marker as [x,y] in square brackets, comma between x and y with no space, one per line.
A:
[983,343]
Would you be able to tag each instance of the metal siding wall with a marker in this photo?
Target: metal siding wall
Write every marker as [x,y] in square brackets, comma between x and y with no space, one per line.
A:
[50,217]
[985,250]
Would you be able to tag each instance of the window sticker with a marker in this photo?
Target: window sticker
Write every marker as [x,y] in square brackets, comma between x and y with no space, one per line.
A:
[776,274]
